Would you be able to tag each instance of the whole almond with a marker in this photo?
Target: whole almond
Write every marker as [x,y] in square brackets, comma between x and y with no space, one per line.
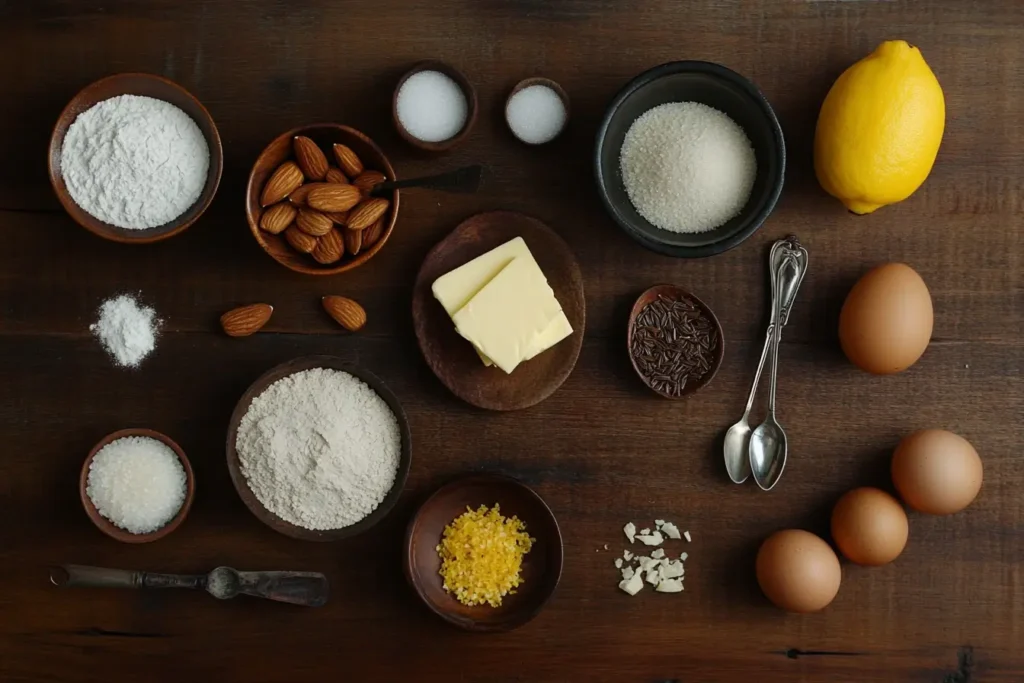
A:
[246,320]
[367,180]
[333,197]
[336,176]
[346,312]
[285,180]
[298,196]
[299,240]
[310,157]
[329,248]
[348,160]
[339,217]
[313,222]
[278,217]
[367,213]
[353,240]
[373,233]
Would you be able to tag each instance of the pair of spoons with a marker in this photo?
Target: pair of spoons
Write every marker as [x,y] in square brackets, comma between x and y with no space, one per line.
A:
[763,452]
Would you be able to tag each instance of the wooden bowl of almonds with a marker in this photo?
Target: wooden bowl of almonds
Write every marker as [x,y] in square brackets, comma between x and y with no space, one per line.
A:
[313,200]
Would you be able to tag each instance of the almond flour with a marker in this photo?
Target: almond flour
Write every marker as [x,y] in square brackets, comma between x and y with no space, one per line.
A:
[319,448]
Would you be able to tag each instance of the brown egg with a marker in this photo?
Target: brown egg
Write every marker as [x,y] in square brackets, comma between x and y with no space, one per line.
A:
[869,526]
[936,471]
[886,321]
[798,571]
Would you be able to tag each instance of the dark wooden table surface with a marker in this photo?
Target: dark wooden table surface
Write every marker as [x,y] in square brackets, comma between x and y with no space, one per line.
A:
[602,450]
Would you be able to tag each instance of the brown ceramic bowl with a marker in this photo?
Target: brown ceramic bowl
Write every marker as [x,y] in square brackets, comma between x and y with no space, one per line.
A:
[542,566]
[149,86]
[562,95]
[254,504]
[675,292]
[116,532]
[467,89]
[279,151]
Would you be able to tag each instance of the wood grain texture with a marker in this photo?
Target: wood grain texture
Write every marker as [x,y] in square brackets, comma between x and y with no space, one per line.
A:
[602,450]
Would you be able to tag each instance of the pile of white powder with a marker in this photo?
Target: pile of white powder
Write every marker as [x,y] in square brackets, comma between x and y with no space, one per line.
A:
[431,106]
[319,448]
[535,114]
[127,330]
[137,483]
[134,162]
[687,167]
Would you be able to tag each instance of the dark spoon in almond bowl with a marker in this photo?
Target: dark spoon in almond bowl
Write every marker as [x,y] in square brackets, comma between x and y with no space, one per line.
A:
[464,180]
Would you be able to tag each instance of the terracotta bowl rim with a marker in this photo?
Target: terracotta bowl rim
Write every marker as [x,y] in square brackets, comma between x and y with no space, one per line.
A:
[158,233]
[108,527]
[314,268]
[555,539]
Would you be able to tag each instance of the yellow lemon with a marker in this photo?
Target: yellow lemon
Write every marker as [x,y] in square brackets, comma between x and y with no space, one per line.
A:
[879,129]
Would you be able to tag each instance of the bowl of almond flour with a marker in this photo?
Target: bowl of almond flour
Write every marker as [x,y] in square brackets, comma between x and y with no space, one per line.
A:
[135,158]
[318,449]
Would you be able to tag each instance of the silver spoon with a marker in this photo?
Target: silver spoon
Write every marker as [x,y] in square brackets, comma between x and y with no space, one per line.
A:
[768,445]
[737,439]
[298,588]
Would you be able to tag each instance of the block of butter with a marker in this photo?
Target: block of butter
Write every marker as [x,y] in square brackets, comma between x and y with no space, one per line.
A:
[508,313]
[454,290]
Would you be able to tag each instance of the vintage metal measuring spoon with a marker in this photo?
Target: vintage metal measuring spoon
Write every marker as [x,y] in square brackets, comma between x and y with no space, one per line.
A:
[737,439]
[768,446]
[298,588]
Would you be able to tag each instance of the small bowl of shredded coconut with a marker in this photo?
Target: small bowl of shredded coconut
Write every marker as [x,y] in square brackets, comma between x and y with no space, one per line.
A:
[690,159]
[137,485]
[135,158]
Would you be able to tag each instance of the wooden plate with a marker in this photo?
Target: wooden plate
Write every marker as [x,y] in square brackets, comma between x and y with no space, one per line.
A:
[108,527]
[542,566]
[250,499]
[453,359]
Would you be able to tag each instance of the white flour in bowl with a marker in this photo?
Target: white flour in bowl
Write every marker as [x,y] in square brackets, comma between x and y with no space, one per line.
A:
[134,162]
[319,448]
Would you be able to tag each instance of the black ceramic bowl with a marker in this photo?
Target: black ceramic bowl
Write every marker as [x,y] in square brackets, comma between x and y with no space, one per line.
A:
[715,86]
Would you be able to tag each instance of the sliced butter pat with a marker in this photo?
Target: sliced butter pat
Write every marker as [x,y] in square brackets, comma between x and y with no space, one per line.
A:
[557,330]
[503,318]
[455,289]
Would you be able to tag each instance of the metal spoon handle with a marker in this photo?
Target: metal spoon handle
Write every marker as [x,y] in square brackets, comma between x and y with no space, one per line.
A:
[466,179]
[786,282]
[298,588]
[81,576]
[760,370]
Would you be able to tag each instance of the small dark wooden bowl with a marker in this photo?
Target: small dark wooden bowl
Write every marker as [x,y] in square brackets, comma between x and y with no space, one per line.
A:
[453,359]
[250,499]
[279,151]
[562,95]
[149,86]
[467,89]
[677,292]
[542,566]
[108,527]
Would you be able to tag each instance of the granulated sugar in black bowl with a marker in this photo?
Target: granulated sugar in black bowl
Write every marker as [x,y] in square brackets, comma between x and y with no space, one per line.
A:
[674,341]
[723,90]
